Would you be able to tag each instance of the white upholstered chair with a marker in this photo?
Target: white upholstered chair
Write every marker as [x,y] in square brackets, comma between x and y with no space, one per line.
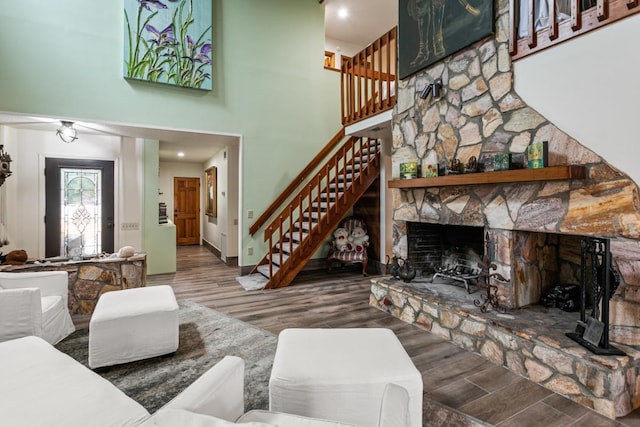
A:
[216,399]
[35,303]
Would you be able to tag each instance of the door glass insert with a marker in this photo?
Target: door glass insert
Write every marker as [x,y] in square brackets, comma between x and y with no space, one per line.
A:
[80,212]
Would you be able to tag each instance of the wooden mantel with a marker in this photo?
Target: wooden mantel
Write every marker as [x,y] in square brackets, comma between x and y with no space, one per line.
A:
[552,173]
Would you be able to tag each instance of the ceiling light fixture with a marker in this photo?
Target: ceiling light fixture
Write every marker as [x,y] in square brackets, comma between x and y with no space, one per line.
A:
[180,154]
[67,132]
[343,13]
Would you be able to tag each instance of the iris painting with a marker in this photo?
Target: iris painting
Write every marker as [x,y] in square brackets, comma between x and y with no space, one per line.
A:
[168,41]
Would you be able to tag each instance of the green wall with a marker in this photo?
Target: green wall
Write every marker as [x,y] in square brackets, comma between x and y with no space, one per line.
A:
[64,59]
[159,240]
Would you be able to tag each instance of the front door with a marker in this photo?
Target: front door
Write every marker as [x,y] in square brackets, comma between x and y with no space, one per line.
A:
[186,210]
[79,209]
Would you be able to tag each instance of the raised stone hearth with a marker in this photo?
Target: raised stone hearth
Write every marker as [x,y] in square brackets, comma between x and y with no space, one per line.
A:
[528,341]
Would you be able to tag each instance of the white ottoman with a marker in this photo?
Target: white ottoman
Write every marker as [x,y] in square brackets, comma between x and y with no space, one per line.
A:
[133,324]
[340,374]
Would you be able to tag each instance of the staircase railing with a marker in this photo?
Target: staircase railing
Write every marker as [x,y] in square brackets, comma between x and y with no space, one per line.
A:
[297,181]
[368,79]
[316,210]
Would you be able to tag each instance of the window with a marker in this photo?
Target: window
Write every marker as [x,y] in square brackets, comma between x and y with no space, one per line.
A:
[80,212]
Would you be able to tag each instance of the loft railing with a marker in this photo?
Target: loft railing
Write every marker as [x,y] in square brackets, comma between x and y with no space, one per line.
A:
[534,27]
[368,79]
[302,177]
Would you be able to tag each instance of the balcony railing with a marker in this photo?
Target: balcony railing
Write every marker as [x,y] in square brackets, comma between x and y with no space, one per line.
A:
[536,25]
[369,79]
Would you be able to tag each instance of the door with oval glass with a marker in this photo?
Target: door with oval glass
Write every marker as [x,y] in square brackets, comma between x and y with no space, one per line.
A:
[79,207]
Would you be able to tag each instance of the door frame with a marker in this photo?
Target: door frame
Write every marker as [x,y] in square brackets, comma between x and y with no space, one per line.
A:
[42,195]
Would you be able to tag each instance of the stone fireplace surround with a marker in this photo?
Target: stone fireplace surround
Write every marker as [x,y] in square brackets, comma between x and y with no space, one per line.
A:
[480,115]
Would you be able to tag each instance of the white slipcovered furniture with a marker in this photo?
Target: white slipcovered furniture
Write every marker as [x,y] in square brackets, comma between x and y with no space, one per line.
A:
[42,386]
[35,303]
[133,324]
[341,374]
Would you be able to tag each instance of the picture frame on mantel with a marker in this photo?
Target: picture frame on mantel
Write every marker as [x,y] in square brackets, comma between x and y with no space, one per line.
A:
[211,197]
[431,30]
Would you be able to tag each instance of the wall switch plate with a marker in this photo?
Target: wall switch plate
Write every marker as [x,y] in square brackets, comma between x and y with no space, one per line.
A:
[250,213]
[127,226]
[249,251]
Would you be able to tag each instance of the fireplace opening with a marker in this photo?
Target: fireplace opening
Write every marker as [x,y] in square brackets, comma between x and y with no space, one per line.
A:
[535,264]
[446,251]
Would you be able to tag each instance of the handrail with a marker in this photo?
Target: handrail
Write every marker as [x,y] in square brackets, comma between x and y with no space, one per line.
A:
[335,167]
[295,183]
[368,79]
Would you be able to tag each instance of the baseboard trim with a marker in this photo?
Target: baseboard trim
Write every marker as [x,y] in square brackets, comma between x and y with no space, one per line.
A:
[212,249]
[229,262]
[374,267]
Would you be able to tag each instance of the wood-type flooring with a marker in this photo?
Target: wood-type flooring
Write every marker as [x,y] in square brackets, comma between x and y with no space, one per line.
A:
[453,377]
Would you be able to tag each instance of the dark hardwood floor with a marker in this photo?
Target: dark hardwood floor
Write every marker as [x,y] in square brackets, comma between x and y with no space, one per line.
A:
[453,377]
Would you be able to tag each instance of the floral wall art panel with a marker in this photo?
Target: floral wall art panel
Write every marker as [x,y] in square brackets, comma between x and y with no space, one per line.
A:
[168,41]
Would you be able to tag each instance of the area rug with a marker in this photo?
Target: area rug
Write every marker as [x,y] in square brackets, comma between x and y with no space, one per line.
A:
[252,282]
[206,336]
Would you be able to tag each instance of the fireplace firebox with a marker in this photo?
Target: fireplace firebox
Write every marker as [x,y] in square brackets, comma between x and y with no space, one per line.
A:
[445,251]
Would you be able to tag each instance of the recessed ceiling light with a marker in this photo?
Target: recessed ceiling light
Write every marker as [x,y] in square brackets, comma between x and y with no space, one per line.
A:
[343,13]
[180,154]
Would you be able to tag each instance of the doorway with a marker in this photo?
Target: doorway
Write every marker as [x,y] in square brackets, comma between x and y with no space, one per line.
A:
[186,210]
[79,207]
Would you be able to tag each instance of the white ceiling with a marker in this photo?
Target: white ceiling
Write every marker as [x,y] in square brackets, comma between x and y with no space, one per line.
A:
[367,20]
[197,147]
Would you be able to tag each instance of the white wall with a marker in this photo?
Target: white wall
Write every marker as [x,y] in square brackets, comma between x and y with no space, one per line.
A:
[589,87]
[222,232]
[9,192]
[25,189]
[131,196]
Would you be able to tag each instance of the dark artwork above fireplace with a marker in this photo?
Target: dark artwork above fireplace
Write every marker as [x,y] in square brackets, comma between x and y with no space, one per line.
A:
[430,30]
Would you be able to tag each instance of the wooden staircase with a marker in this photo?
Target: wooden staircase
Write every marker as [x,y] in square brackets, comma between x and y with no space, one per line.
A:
[312,214]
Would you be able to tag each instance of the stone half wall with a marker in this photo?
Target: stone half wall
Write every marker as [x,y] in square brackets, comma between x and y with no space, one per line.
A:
[91,278]
[479,114]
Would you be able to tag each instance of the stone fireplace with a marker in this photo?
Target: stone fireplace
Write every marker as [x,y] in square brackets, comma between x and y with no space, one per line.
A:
[532,262]
[533,227]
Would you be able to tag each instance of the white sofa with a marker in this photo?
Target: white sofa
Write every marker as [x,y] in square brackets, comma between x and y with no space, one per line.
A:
[42,386]
[35,303]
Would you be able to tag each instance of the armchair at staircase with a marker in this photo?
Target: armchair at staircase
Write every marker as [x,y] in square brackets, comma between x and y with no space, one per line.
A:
[35,303]
[350,244]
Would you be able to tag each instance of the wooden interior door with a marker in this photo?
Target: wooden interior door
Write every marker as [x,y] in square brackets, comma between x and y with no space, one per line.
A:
[186,210]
